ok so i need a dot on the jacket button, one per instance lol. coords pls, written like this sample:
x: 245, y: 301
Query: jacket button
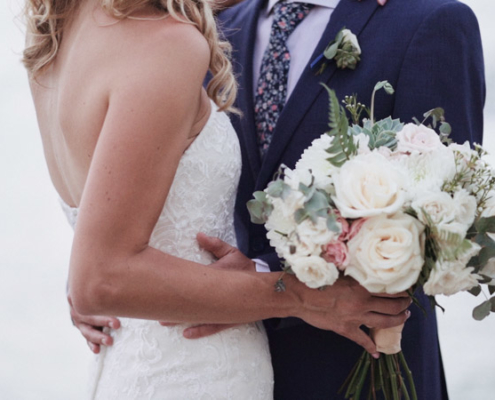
x: 258, y: 245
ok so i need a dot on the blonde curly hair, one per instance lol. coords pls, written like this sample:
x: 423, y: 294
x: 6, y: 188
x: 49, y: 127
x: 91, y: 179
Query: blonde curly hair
x: 46, y: 20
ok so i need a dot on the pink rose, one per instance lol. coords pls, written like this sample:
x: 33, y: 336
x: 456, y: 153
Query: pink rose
x: 336, y: 252
x: 356, y: 227
x: 344, y: 227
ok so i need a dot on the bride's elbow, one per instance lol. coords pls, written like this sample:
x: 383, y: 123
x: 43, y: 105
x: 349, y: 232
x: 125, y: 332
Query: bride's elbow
x: 92, y: 292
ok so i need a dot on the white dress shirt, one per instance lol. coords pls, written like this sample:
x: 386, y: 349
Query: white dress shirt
x: 301, y: 43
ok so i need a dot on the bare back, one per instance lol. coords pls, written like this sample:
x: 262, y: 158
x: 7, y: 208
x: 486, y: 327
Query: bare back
x: 97, y: 55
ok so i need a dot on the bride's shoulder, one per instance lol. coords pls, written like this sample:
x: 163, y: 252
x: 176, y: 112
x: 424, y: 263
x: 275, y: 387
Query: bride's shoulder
x: 158, y: 51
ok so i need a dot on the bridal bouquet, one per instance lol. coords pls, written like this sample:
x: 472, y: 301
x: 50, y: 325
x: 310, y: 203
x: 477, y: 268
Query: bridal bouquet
x: 396, y: 207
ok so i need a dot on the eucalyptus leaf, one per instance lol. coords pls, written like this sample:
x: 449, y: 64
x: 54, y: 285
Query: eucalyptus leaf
x: 332, y: 223
x: 255, y: 209
x: 484, y: 240
x: 475, y: 291
x: 482, y: 311
x: 278, y: 188
x: 484, y: 225
x: 331, y: 51
x: 492, y: 300
x: 300, y: 215
x: 491, y: 289
x: 445, y: 128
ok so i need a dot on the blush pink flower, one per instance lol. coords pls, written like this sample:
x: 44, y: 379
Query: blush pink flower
x: 344, y: 227
x: 355, y: 227
x: 336, y: 252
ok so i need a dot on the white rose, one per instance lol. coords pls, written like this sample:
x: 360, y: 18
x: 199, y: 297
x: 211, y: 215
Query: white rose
x: 466, y: 207
x: 314, y: 271
x: 315, y: 158
x: 368, y: 185
x: 439, y: 206
x: 386, y: 256
x: 450, y: 277
x: 417, y: 138
x: 349, y: 37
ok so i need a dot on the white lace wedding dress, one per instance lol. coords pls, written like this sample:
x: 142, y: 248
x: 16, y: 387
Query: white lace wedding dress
x: 148, y: 361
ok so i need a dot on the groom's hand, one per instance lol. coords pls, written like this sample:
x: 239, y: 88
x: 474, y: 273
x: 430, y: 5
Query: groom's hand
x: 229, y: 258
x: 91, y: 327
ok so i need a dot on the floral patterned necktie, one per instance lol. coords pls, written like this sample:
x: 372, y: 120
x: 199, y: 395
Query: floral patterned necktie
x: 272, y: 84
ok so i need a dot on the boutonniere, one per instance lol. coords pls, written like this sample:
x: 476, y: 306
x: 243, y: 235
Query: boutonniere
x: 344, y: 50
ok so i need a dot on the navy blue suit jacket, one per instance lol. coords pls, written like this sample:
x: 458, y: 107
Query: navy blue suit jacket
x: 430, y: 51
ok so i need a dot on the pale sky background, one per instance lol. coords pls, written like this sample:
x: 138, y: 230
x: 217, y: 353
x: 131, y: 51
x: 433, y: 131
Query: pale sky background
x: 41, y: 355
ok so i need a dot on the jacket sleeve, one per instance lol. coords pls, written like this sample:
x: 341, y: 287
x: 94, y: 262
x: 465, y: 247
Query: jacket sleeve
x: 443, y: 67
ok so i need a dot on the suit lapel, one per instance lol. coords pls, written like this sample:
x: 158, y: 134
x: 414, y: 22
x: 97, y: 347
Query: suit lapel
x: 350, y: 14
x: 245, y: 100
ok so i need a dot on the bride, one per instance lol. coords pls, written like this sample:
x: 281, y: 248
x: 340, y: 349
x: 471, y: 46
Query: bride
x: 143, y: 159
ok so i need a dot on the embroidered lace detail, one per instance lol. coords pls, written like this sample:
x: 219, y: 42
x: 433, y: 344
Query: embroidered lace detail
x: 148, y: 361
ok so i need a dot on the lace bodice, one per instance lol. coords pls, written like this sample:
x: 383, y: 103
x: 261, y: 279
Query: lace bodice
x: 148, y: 361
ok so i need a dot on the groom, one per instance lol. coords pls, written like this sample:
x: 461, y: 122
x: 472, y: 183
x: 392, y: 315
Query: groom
x: 430, y: 51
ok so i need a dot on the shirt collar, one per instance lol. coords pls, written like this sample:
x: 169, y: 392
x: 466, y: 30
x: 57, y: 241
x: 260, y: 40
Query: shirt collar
x: 321, y: 3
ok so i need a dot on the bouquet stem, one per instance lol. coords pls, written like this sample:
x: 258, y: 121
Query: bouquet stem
x: 383, y: 375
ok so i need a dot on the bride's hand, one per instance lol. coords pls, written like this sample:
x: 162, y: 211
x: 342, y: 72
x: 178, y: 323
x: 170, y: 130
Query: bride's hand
x: 229, y: 258
x: 91, y: 327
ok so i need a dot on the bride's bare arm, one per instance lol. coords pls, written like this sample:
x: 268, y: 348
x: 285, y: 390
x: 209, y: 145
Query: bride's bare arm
x: 153, y: 105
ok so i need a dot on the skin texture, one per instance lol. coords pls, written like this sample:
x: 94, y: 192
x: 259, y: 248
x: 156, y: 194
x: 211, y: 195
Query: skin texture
x: 111, y: 138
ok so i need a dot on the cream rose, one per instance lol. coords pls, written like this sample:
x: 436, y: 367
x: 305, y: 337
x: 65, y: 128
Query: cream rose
x: 386, y: 255
x: 417, y: 138
x: 450, y: 277
x: 439, y: 206
x: 314, y: 271
x: 368, y: 185
x: 466, y: 207
x: 349, y: 37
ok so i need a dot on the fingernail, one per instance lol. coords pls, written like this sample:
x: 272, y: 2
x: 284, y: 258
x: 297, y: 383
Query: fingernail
x: 376, y: 356
x: 408, y: 314
x: 104, y: 341
x: 187, y: 334
x: 111, y: 324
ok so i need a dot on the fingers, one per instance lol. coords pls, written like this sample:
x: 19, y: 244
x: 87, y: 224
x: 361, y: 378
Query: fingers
x: 94, y: 335
x: 364, y: 341
x: 373, y: 320
x: 214, y: 245
x: 388, y: 306
x: 200, y: 331
x: 96, y: 321
x: 95, y: 348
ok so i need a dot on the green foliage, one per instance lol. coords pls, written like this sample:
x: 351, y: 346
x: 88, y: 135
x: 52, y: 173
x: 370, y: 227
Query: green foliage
x: 355, y: 108
x: 385, y: 85
x: 259, y: 208
x: 342, y: 147
x: 381, y: 133
x: 484, y: 225
x: 483, y: 310
x: 278, y: 188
